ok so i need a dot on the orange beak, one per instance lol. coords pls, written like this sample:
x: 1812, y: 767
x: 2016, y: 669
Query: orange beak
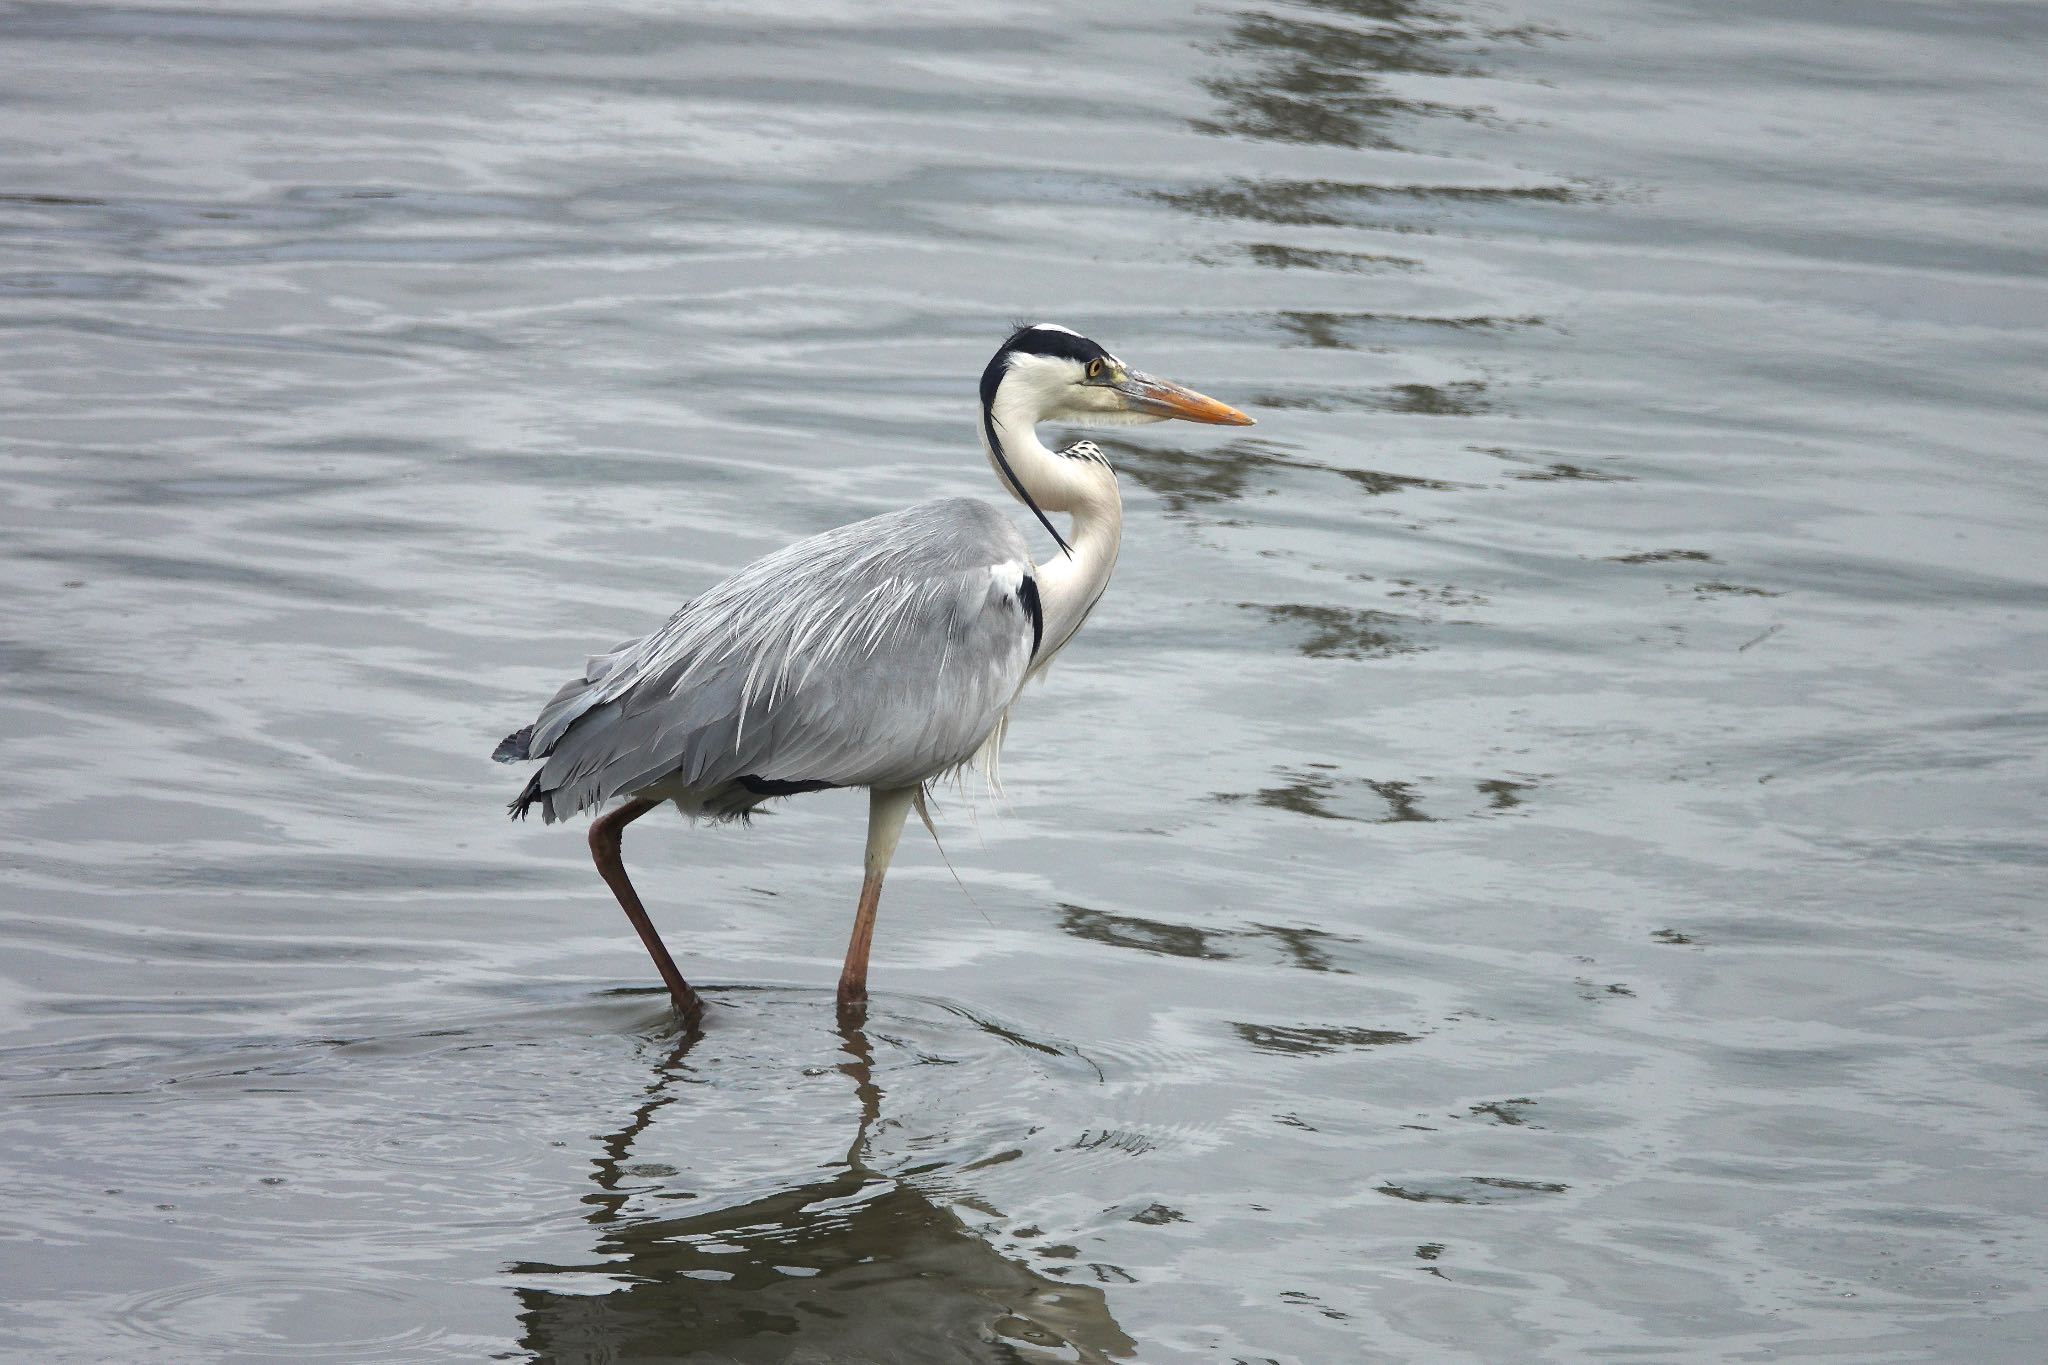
x: 1156, y: 397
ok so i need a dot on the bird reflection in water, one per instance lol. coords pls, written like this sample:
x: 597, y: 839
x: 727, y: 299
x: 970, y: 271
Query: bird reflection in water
x: 856, y: 1266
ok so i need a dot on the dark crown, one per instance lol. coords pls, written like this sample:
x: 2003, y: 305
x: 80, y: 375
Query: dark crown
x: 1037, y: 339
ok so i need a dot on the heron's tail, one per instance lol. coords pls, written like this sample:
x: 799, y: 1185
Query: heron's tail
x: 514, y: 747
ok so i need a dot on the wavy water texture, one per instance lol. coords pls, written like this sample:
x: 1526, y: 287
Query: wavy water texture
x: 1537, y: 856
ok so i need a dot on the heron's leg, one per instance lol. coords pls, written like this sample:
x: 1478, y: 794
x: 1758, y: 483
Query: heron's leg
x: 604, y: 848
x: 886, y: 812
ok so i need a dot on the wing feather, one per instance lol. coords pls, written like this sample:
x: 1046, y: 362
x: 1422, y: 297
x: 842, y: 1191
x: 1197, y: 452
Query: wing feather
x: 877, y: 654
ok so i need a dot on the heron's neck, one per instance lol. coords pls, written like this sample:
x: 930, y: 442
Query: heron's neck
x: 1084, y: 487
x: 1068, y: 587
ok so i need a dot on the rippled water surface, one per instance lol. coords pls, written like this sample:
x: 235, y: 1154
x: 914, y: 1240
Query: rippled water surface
x: 1537, y: 857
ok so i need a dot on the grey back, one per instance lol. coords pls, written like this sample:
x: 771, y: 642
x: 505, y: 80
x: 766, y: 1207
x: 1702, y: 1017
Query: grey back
x: 877, y: 654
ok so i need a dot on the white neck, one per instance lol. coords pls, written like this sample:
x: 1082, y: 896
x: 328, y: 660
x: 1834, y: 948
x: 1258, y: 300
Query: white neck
x: 1085, y: 488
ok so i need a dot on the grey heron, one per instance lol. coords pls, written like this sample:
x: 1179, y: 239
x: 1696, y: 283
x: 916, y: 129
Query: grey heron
x: 881, y: 655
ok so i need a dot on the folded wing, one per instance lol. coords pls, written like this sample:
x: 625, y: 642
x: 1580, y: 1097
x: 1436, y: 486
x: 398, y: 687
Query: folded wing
x: 877, y: 654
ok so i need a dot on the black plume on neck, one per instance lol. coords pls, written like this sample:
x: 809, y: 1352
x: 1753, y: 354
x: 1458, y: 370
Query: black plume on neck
x: 1035, y: 340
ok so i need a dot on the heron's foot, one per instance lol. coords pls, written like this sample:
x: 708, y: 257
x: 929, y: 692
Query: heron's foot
x: 689, y: 1005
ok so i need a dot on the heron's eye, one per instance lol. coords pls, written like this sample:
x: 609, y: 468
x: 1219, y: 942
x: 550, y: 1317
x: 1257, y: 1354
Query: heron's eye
x: 1095, y: 368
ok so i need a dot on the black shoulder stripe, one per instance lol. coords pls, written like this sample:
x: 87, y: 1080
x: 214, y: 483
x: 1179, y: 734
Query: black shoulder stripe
x: 1027, y: 597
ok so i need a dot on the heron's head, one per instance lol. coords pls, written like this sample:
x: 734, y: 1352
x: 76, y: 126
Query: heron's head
x: 1050, y: 374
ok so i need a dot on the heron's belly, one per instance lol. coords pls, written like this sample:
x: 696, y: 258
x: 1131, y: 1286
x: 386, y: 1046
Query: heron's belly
x: 734, y: 798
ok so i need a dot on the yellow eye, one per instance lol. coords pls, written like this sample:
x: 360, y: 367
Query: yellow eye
x: 1095, y: 369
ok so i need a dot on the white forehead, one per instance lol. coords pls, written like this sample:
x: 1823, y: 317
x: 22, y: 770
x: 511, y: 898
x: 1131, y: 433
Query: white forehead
x: 1052, y: 327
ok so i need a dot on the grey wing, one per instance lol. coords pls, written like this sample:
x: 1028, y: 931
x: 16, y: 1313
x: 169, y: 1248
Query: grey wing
x: 877, y: 654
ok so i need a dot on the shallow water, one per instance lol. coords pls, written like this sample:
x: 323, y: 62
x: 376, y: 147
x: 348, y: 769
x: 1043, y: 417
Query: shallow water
x: 1537, y: 857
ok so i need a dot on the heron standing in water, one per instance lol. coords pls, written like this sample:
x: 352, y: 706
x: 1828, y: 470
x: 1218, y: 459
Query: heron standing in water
x: 879, y: 655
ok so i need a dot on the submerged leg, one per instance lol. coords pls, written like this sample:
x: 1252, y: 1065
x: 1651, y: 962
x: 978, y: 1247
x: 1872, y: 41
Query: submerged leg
x: 604, y: 847
x: 886, y: 811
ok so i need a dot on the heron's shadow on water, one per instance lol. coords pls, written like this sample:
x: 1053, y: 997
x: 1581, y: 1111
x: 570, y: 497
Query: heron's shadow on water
x: 852, y: 1266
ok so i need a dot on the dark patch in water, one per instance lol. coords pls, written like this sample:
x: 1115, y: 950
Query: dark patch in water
x: 1335, y: 203
x: 1459, y: 399
x: 1471, y: 1189
x: 1503, y: 793
x: 1111, y: 1139
x: 1356, y: 331
x: 1323, y: 84
x: 1299, y: 947
x: 1324, y: 795
x: 1276, y: 256
x: 1562, y: 472
x: 1157, y: 1215
x: 1662, y: 557
x: 1342, y: 632
x: 1132, y: 931
x: 1507, y: 1112
x: 1305, y: 1040
x: 1401, y: 799
x: 1187, y: 478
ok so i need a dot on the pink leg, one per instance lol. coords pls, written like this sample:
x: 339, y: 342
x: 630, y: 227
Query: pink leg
x: 886, y: 811
x: 604, y: 848
x: 853, y: 977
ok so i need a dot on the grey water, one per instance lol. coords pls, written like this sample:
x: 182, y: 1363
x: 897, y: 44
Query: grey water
x: 1537, y: 857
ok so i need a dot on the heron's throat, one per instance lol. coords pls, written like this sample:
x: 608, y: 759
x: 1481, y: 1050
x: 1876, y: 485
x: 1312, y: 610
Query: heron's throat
x: 1070, y: 584
x: 1046, y: 481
